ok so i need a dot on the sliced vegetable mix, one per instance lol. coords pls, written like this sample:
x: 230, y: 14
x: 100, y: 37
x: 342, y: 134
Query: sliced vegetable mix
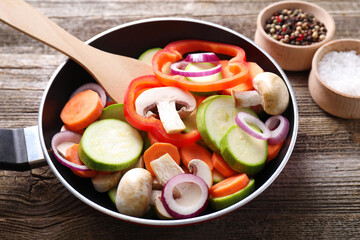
x: 179, y: 143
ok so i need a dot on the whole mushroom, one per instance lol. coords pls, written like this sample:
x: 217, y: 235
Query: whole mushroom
x: 169, y: 103
x: 270, y: 91
x: 134, y: 191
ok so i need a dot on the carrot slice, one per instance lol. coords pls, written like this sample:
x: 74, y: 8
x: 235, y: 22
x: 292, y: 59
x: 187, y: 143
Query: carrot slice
x: 221, y: 165
x: 195, y: 151
x: 157, y: 150
x: 254, y: 69
x: 72, y: 155
x: 81, y: 110
x: 273, y: 151
x: 229, y: 185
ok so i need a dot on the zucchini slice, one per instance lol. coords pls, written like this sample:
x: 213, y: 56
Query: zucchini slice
x: 215, y: 115
x: 148, y: 55
x: 224, y: 202
x: 243, y: 153
x: 110, y: 145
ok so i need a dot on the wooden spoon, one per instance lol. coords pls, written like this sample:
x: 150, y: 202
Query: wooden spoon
x: 113, y: 72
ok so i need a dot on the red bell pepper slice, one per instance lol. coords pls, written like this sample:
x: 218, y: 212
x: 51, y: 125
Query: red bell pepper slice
x: 152, y: 124
x: 235, y: 71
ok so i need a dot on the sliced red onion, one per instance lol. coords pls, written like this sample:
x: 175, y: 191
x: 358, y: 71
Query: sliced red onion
x: 95, y: 87
x: 202, y: 57
x: 66, y: 136
x: 243, y: 119
x: 178, y: 69
x: 194, y: 195
x: 279, y: 128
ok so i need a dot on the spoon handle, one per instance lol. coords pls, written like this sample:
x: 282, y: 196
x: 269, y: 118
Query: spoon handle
x: 23, y: 17
x: 114, y: 72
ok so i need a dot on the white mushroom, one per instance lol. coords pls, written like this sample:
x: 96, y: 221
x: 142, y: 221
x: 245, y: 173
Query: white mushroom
x: 156, y: 185
x: 154, y: 195
x: 165, y: 168
x: 271, y: 92
x: 133, y: 194
x: 169, y: 103
x: 201, y: 169
x: 104, y: 182
x: 160, y: 209
x: 63, y: 147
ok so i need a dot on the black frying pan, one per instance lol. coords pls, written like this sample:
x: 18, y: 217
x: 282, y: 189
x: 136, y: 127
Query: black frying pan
x: 20, y: 145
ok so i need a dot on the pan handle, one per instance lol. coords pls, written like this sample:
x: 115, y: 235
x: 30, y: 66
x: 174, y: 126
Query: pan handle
x: 20, y: 149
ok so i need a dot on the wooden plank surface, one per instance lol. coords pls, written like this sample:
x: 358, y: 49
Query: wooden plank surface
x: 317, y: 196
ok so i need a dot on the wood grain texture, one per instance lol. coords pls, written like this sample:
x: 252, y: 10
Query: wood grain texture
x: 317, y: 196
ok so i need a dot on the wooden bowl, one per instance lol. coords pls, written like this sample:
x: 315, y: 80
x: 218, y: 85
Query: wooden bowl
x: 292, y: 57
x: 332, y: 101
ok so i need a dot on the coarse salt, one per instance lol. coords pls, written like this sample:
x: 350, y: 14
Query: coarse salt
x: 341, y: 71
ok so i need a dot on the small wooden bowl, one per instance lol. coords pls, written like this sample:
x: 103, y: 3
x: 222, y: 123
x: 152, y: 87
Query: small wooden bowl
x: 332, y: 101
x: 292, y: 57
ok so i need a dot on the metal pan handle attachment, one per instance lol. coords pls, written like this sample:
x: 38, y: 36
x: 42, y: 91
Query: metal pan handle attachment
x: 20, y: 149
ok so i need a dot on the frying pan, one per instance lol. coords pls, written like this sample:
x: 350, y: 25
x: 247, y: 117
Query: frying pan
x: 30, y: 147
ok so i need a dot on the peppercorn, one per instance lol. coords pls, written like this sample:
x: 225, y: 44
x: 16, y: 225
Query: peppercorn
x: 315, y: 35
x: 296, y: 27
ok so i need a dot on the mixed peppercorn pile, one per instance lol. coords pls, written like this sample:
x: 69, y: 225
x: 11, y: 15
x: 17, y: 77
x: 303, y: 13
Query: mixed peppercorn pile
x: 296, y: 27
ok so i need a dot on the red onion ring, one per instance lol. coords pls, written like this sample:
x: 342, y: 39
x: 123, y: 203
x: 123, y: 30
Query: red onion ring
x: 202, y: 57
x: 279, y: 128
x: 92, y: 86
x: 66, y: 136
x: 177, y: 69
x: 174, y: 206
x: 243, y: 119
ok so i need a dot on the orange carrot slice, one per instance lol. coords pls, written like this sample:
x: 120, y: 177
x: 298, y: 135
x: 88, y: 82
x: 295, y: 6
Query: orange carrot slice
x: 273, y: 151
x: 72, y: 155
x: 195, y: 151
x: 157, y: 150
x: 221, y: 165
x: 254, y: 69
x: 81, y: 110
x: 229, y: 185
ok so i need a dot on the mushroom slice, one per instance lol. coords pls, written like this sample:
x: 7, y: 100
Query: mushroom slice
x: 171, y: 104
x: 270, y: 91
x: 104, y: 182
x: 165, y: 168
x: 201, y: 169
x: 160, y: 209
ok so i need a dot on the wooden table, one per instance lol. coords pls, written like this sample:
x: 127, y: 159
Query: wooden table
x: 317, y: 196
